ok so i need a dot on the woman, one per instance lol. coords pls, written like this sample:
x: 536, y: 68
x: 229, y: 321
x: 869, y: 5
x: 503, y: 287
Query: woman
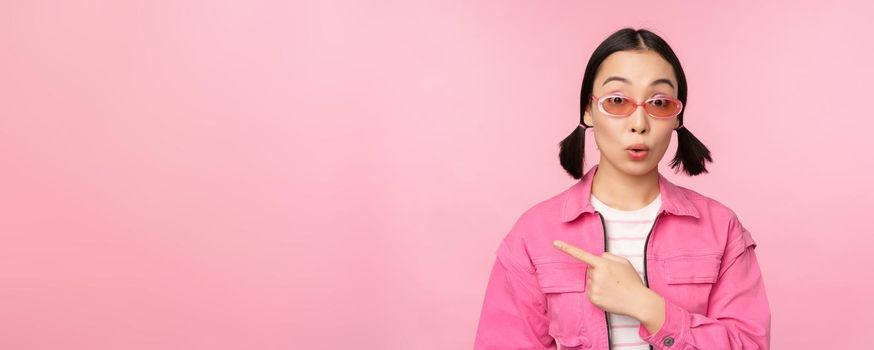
x: 624, y: 258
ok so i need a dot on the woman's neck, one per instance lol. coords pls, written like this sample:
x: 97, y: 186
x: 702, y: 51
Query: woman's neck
x: 624, y: 191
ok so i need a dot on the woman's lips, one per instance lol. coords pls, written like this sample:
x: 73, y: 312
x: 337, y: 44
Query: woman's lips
x: 637, y: 155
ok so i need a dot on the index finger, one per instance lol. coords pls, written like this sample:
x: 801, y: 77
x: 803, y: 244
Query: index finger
x: 578, y: 253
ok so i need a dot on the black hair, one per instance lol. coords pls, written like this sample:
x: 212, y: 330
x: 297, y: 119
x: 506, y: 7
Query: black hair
x: 691, y: 153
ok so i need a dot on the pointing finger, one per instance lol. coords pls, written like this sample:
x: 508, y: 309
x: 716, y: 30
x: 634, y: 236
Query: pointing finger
x: 614, y: 257
x: 578, y: 253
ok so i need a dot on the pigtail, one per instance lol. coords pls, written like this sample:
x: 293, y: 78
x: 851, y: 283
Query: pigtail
x: 572, y: 152
x: 691, y: 153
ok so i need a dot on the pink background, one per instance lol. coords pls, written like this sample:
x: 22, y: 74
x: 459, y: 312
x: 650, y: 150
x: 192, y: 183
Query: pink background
x: 327, y: 175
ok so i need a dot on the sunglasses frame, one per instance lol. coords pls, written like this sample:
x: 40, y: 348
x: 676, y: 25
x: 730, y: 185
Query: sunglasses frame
x: 600, y: 101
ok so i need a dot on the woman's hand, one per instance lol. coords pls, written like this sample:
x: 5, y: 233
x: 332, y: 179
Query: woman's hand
x: 613, y: 285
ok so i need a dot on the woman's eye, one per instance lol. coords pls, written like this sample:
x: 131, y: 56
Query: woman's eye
x: 616, y: 100
x: 659, y: 102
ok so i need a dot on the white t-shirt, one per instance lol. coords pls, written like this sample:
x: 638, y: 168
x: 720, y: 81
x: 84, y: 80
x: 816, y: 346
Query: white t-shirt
x: 626, y: 237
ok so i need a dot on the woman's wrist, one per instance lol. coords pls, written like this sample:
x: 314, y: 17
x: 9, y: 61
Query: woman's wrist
x: 651, y: 312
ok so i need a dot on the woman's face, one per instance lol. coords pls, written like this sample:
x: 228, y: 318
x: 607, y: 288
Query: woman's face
x: 637, y: 75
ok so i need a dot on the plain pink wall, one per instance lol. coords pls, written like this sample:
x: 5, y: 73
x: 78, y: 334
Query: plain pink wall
x: 327, y: 175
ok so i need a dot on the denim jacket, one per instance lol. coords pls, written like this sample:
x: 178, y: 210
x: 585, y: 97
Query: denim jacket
x: 698, y: 256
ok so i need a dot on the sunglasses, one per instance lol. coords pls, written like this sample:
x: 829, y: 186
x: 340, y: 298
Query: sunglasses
x: 621, y: 106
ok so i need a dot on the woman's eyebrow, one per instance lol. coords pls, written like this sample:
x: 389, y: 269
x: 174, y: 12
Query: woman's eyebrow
x: 657, y: 81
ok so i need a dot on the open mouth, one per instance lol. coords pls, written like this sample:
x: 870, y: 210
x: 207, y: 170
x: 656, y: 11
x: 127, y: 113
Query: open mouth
x: 637, y: 153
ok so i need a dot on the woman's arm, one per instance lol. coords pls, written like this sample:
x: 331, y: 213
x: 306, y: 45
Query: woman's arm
x: 738, y: 315
x: 652, y: 312
x: 514, y: 310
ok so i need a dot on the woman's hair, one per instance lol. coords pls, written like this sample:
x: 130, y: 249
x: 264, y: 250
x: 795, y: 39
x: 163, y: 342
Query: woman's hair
x: 690, y: 151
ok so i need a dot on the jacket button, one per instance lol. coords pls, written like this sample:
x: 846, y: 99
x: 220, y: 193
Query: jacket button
x: 668, y: 341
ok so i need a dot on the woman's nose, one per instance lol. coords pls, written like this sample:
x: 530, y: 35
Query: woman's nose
x: 639, y: 120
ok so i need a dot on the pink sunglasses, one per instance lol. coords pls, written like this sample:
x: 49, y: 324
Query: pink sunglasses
x: 620, y: 106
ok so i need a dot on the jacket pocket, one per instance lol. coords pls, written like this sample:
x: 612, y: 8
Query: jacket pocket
x: 564, y: 284
x: 690, y: 277
x: 691, y: 270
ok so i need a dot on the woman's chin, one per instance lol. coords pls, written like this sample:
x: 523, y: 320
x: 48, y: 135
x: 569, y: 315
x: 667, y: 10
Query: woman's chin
x: 638, y: 167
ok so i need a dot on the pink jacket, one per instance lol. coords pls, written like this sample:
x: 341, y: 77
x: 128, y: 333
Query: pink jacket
x: 698, y: 256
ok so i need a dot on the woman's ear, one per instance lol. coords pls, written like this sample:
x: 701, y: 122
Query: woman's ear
x: 587, y: 117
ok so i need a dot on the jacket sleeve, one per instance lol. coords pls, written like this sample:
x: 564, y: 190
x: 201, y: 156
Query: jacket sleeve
x: 738, y: 315
x: 513, y: 315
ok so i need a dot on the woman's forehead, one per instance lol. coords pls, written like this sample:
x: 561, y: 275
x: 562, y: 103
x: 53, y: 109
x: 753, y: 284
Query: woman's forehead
x: 636, y: 68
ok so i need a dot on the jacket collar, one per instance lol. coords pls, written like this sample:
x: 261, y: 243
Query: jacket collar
x: 577, y: 198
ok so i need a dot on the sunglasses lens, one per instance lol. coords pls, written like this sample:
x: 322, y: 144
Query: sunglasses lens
x: 662, y: 107
x: 618, y: 105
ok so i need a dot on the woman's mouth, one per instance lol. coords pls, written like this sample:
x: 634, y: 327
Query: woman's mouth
x: 637, y: 154
x: 637, y: 151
